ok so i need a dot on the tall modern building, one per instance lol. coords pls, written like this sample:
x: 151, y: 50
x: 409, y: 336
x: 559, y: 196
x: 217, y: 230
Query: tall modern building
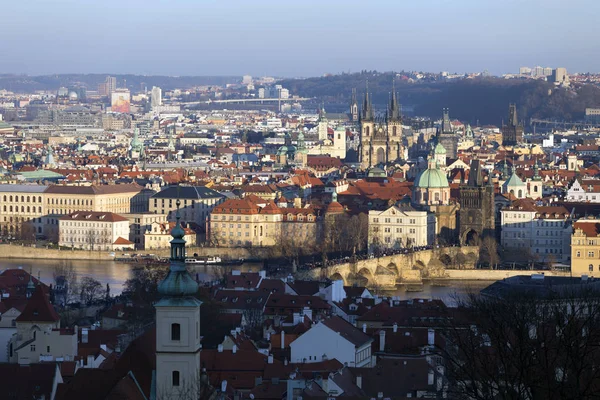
x: 156, y: 96
x: 559, y: 75
x: 476, y: 217
x: 512, y: 133
x: 447, y: 137
x: 108, y: 86
x: 381, y: 138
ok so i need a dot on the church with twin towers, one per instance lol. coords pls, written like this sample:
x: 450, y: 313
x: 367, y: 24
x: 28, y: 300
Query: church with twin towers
x: 380, y: 136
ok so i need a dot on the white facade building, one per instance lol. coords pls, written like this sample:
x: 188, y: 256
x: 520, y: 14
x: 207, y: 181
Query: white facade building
x: 584, y: 191
x: 543, y: 231
x: 333, y: 338
x: 399, y: 227
x: 156, y: 97
x: 94, y: 231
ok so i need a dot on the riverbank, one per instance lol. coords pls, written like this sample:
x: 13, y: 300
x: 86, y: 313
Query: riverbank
x: 494, y: 275
x: 10, y: 251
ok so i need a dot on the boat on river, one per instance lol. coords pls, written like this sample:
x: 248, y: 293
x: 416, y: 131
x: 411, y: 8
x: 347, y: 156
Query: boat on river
x: 204, y: 261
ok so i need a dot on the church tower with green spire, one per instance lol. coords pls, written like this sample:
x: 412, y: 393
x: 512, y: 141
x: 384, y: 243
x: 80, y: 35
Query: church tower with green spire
x: 177, y: 326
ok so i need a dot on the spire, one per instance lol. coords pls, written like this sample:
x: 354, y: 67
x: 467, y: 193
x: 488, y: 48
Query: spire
x: 394, y: 109
x: 30, y: 285
x: 367, y: 111
x: 475, y: 177
x: 536, y: 171
x: 178, y: 282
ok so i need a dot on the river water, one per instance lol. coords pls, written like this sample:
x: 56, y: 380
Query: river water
x: 116, y: 273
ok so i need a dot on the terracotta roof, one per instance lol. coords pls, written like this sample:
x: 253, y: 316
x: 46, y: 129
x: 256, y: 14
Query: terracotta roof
x: 122, y: 241
x: 237, y: 206
x: 590, y: 228
x: 38, y: 309
x: 93, y: 216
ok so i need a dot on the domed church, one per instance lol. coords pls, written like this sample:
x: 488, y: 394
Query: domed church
x: 431, y: 186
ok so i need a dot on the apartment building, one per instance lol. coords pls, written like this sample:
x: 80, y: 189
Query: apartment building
x: 540, y: 232
x: 21, y: 210
x: 243, y: 222
x: 118, y: 199
x: 159, y: 235
x: 401, y: 226
x: 196, y: 203
x: 91, y: 230
x: 139, y: 224
x: 585, y: 247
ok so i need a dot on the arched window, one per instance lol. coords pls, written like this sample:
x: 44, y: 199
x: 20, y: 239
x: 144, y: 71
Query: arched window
x: 39, y: 199
x: 175, y: 378
x: 520, y: 193
x: 28, y: 199
x: 39, y: 209
x: 591, y: 268
x: 11, y: 198
x: 394, y: 132
x: 175, y: 332
x: 28, y: 209
x: 367, y: 131
x: 22, y: 208
x: 23, y: 199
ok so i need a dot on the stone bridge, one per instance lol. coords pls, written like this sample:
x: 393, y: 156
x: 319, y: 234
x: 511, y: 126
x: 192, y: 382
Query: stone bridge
x: 389, y: 271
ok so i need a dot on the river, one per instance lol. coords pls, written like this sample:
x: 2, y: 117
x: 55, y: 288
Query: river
x: 116, y: 273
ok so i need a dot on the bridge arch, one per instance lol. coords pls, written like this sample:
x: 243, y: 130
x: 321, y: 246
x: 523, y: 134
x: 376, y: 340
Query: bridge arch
x: 337, y: 277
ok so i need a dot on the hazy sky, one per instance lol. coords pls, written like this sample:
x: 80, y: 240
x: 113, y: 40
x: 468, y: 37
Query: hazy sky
x: 296, y: 38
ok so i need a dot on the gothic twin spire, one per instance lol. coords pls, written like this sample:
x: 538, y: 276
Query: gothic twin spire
x: 393, y: 111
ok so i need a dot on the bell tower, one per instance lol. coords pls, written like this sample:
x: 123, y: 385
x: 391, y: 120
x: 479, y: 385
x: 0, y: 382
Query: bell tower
x: 177, y: 326
x: 354, y: 107
x: 394, y: 128
x: 367, y: 131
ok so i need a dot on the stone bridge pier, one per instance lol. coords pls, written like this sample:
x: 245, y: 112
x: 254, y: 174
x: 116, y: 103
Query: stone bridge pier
x: 396, y: 269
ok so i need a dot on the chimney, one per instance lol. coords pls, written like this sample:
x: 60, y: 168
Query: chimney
x: 430, y: 337
x: 84, y: 335
x: 282, y: 340
x: 270, y: 359
x: 395, y: 327
x: 364, y: 328
x: 382, y: 340
x: 285, y: 361
x: 223, y: 386
x: 220, y: 348
x: 430, y: 377
x: 234, y: 349
x: 359, y: 381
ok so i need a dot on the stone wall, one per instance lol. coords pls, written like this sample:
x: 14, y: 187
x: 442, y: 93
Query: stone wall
x: 17, y: 251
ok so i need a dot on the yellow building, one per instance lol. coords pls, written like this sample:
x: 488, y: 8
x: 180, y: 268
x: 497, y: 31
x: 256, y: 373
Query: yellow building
x: 159, y: 236
x: 21, y: 210
x: 243, y: 222
x: 118, y: 199
x: 585, y: 248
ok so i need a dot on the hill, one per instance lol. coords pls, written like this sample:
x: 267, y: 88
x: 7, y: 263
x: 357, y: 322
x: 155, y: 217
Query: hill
x: 24, y: 83
x: 470, y: 100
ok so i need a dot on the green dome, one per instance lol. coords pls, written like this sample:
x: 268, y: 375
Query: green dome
x: 177, y: 232
x: 178, y: 283
x: 431, y: 178
x: 439, y: 149
x: 282, y: 150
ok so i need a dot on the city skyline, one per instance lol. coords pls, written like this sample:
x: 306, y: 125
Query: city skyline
x: 184, y: 38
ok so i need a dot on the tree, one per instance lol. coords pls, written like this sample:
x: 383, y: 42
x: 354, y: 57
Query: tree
x: 65, y: 283
x: 107, y: 295
x: 541, y: 345
x: 27, y: 231
x: 143, y: 285
x: 489, y: 251
x: 91, y: 238
x: 90, y: 290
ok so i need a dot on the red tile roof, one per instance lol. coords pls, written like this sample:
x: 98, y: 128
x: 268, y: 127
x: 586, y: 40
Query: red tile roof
x: 38, y: 309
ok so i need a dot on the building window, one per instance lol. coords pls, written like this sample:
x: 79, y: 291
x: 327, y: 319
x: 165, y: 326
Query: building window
x: 591, y: 268
x: 590, y: 254
x: 32, y: 347
x: 175, y: 332
x: 175, y: 378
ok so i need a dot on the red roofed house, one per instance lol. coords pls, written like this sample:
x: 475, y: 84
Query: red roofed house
x: 90, y: 230
x: 39, y: 336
